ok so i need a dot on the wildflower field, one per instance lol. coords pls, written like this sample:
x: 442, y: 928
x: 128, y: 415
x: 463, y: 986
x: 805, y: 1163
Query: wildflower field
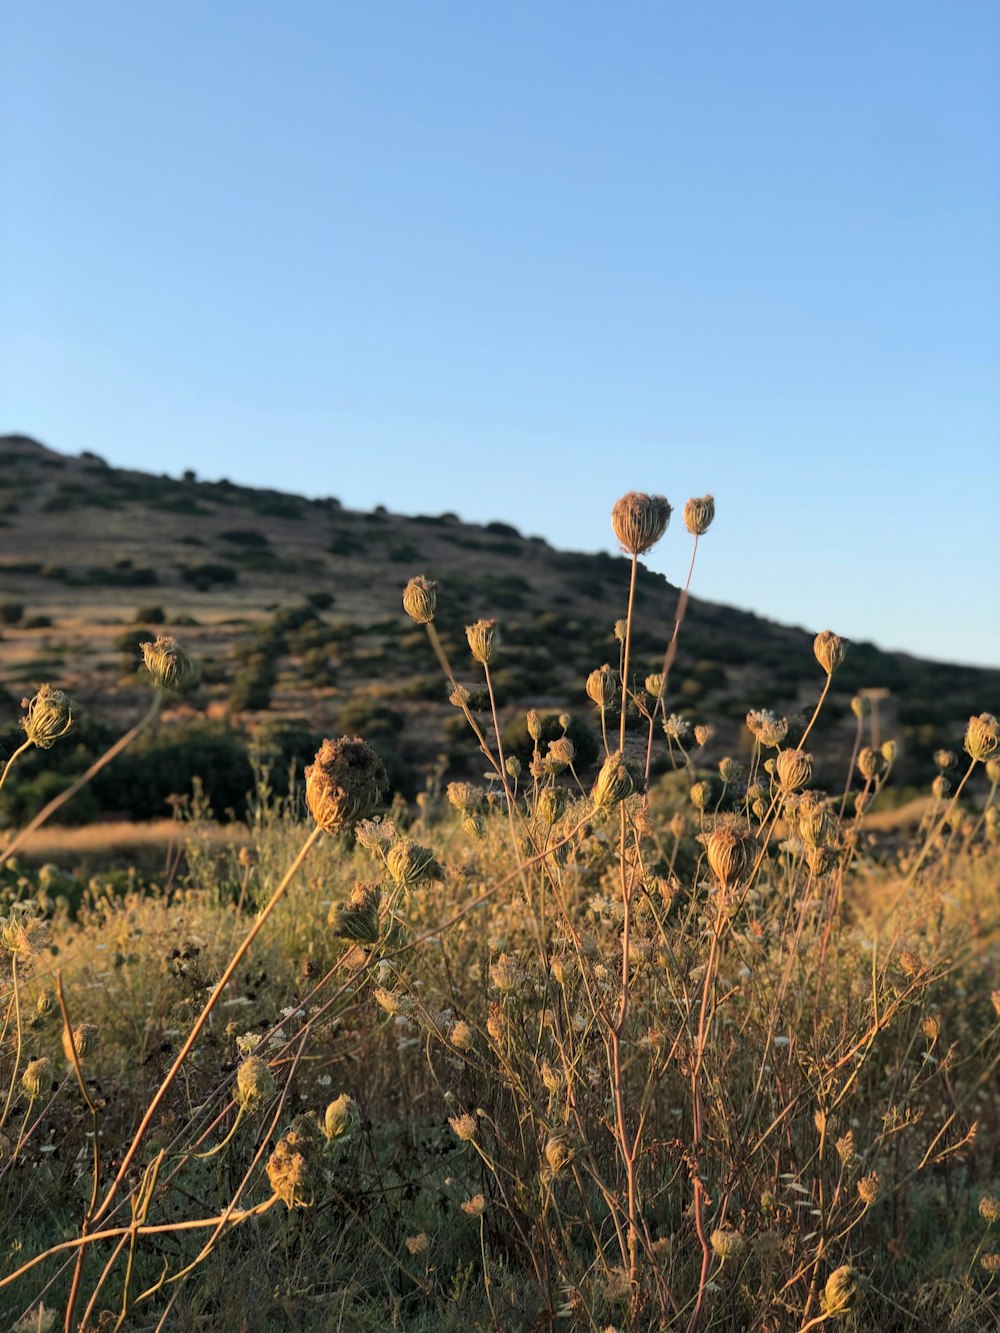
x: 617, y: 1031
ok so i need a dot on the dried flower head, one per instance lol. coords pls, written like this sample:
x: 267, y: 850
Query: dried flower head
x: 506, y: 973
x: 945, y: 759
x: 766, y: 728
x: 698, y: 515
x: 830, y: 650
x: 465, y: 796
x: 462, y: 1036
x: 817, y: 822
x: 726, y: 1243
x: 375, y: 835
x: 340, y: 1117
x: 561, y: 753
x: 418, y: 1244
x: 868, y: 1188
x: 420, y: 599
x: 345, y: 783
x: 465, y: 1126
x: 841, y: 1290
x: 614, y: 782
x: 989, y: 1209
x: 940, y: 787
x: 48, y: 716
x: 291, y: 1169
x: 640, y: 520
x: 620, y: 630
x: 871, y: 764
x: 982, y: 736
x: 548, y: 805
x: 602, y: 687
x: 85, y: 1041
x: 410, y: 865
x: 730, y: 770
x: 703, y: 734
x: 676, y: 728
x: 990, y: 1263
x: 168, y: 664
x: 34, y: 1075
x: 993, y: 770
x: 254, y: 1084
x: 793, y: 769
x: 474, y: 1207
x: 483, y: 640
x: 846, y: 1150
x: 730, y: 854
x: 460, y: 697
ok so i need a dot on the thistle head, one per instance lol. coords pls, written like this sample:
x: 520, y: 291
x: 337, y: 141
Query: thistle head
x: 483, y: 640
x: 48, y: 716
x: 168, y: 664
x: 698, y: 515
x: 420, y: 599
x: 345, y: 783
x: 830, y: 650
x: 639, y: 521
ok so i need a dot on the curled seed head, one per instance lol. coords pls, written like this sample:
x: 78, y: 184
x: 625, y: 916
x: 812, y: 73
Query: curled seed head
x: 341, y: 1116
x: 945, y: 759
x: 506, y: 973
x: 345, y: 783
x: 254, y: 1084
x: 602, y: 687
x: 830, y: 650
x: 375, y: 835
x: 871, y: 764
x: 420, y: 599
x: 817, y: 822
x: 410, y: 864
x: 654, y: 684
x: 465, y: 796
x: 620, y: 629
x: 513, y: 766
x: 48, y: 716
x: 534, y: 725
x: 548, y: 806
x: 358, y: 918
x: 940, y: 787
x: 730, y: 854
x: 698, y: 515
x: 982, y: 736
x: 86, y: 1039
x: 34, y: 1075
x: 560, y: 754
x: 841, y: 1290
x: 462, y: 1036
x: 292, y: 1170
x: 990, y: 1263
x: 483, y: 640
x: 474, y: 825
x: 768, y: 729
x: 730, y: 769
x: 639, y: 521
x: 989, y: 1209
x: 614, y: 782
x: 793, y: 769
x: 168, y: 664
x: 558, y: 1152
x: 868, y: 1188
x: 701, y: 795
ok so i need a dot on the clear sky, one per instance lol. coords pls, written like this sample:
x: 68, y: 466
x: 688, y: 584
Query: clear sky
x: 513, y: 259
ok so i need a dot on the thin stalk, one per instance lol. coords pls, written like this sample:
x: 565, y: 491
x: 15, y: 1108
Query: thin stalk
x: 819, y: 705
x: 669, y: 655
x: 10, y: 762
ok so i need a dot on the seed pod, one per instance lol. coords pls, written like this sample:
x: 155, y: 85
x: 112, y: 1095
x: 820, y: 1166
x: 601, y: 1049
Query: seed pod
x: 729, y: 770
x: 548, y: 806
x: 993, y: 770
x: 614, y: 782
x: 982, y: 736
x: 483, y: 640
x: 888, y: 751
x: 730, y: 854
x: 602, y: 687
x: 420, y: 599
x: 410, y: 864
x: 358, y: 918
x: 168, y: 664
x: 464, y: 796
x: 945, y: 759
x: 830, y: 650
x: 49, y: 715
x: 534, y: 724
x: 871, y: 764
x: 654, y: 684
x: 640, y: 520
x: 793, y: 769
x: 858, y: 707
x: 345, y: 783
x: 817, y: 823
x: 474, y: 825
x: 464, y: 1126
x: 940, y: 787
x: 254, y: 1084
x: 513, y: 766
x: 698, y: 515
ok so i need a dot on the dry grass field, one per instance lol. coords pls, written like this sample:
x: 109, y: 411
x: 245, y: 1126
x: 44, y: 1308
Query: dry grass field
x: 600, y: 976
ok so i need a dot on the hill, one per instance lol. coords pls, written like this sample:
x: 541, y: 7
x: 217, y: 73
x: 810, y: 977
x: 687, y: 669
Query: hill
x: 292, y: 608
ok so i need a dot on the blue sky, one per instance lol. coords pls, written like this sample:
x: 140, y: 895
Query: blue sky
x: 514, y: 259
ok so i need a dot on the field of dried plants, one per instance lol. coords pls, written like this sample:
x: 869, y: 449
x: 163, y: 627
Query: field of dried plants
x: 651, y: 1038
